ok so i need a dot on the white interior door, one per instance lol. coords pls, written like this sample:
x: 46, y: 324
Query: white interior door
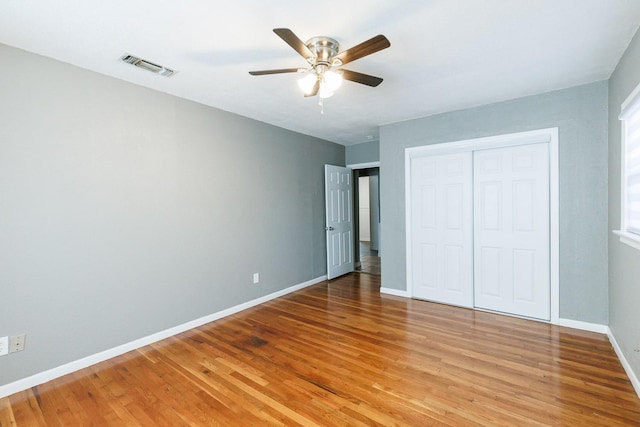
x: 441, y: 216
x: 339, y: 220
x: 511, y: 230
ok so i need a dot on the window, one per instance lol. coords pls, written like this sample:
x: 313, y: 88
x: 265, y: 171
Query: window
x: 630, y: 191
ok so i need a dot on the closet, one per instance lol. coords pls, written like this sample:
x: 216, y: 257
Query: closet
x: 479, y: 226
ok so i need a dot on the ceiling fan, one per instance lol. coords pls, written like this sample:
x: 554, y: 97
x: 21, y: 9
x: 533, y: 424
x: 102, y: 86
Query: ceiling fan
x: 324, y: 75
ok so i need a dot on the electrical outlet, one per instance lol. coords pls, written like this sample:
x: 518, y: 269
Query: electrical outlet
x: 16, y: 343
x: 4, y: 346
x: 256, y: 278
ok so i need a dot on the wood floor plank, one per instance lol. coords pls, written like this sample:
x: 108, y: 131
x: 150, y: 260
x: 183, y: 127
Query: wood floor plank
x: 339, y: 353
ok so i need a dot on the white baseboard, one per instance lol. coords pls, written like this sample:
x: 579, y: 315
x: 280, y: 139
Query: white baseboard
x: 43, y: 377
x: 569, y: 323
x: 585, y: 326
x: 396, y: 292
x: 625, y: 364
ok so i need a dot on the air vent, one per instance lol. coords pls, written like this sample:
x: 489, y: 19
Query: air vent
x: 146, y: 65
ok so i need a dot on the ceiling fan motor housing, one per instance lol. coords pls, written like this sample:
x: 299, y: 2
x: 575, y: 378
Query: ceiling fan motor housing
x: 324, y: 48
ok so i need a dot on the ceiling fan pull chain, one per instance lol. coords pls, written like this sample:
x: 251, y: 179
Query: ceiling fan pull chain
x: 321, y: 104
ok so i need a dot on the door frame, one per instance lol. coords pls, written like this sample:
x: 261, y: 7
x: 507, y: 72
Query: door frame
x: 547, y: 135
x: 354, y: 167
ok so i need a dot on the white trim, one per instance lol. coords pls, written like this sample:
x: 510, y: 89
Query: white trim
x: 630, y: 104
x: 635, y: 382
x: 630, y: 239
x: 485, y: 143
x: 583, y: 326
x: 548, y: 135
x: 629, y: 108
x: 364, y: 165
x: 408, y: 220
x: 67, y: 368
x: 623, y: 195
x: 367, y: 166
x: 554, y: 224
x: 567, y: 323
x: 396, y: 292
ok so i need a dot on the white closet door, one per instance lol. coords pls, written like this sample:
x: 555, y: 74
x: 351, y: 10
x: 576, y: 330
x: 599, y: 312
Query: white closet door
x: 511, y: 230
x: 442, y: 240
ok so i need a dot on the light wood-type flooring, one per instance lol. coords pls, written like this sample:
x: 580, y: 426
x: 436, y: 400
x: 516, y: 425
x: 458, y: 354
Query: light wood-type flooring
x: 341, y: 354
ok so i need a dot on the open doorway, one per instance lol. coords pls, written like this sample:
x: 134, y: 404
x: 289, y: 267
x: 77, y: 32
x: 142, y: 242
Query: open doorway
x: 367, y: 227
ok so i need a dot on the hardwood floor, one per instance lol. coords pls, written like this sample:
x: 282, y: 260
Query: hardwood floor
x: 370, y: 262
x: 341, y: 354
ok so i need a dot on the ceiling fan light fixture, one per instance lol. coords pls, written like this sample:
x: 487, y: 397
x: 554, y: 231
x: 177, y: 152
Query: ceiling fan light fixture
x: 324, y: 91
x: 333, y: 80
x: 307, y: 82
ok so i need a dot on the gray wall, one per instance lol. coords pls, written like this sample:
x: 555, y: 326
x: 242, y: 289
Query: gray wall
x: 624, y: 261
x: 125, y: 211
x: 367, y: 152
x: 580, y: 113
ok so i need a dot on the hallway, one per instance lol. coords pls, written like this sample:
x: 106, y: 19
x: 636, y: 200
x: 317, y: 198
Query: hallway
x: 369, y: 260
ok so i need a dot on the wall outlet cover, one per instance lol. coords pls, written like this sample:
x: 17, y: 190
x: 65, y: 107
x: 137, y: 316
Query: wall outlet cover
x: 16, y: 343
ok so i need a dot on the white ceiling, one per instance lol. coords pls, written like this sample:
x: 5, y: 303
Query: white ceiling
x: 445, y: 54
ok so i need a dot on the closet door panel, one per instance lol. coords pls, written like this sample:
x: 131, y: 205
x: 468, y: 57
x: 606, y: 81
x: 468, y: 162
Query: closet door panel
x: 511, y: 230
x: 441, y: 224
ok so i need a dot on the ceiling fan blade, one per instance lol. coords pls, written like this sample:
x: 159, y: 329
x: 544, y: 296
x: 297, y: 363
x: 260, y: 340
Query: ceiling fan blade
x: 365, y: 79
x: 314, y: 91
x: 278, y: 71
x: 292, y: 40
x: 372, y: 45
